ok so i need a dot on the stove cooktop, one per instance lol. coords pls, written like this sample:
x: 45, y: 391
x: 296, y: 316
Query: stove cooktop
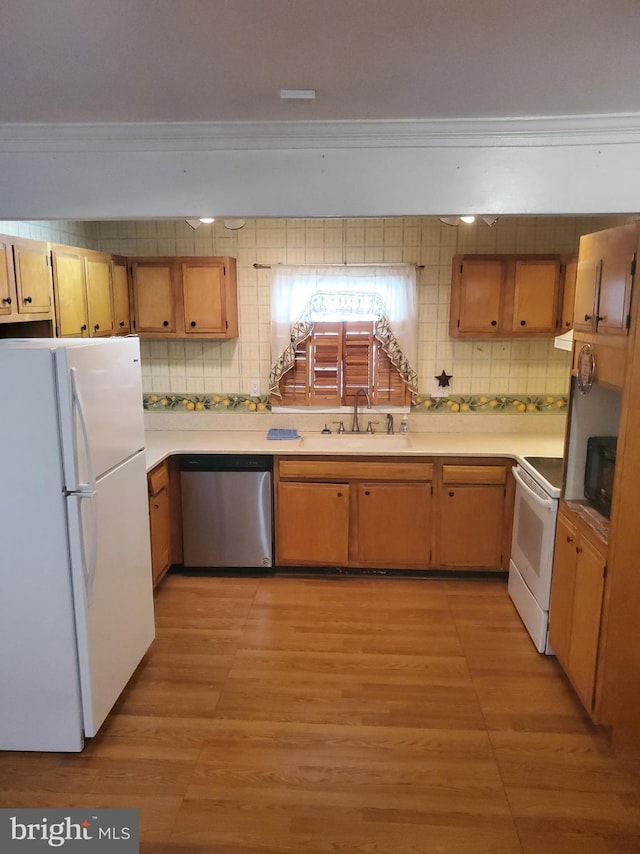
x: 550, y: 468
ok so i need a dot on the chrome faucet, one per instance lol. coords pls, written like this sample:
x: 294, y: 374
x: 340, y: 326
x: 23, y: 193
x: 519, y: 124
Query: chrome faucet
x: 389, y: 424
x: 355, y: 426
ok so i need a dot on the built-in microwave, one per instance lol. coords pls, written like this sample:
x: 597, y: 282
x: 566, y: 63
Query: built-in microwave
x: 599, y: 472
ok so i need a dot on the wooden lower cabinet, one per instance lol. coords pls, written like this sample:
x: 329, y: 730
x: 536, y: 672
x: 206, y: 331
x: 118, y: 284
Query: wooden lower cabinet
x: 160, y: 521
x: 394, y: 524
x: 313, y: 524
x: 475, y: 511
x: 575, y: 612
x: 354, y: 513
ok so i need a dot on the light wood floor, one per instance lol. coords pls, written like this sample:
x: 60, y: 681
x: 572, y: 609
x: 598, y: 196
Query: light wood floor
x: 345, y: 716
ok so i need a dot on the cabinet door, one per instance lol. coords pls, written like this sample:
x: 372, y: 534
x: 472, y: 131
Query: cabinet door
x: 585, y: 621
x: 154, y: 306
x: 159, y: 521
x: 120, y: 284
x: 587, y: 278
x: 568, y: 295
x: 99, y: 294
x: 203, y: 288
x: 33, y: 278
x: 394, y: 524
x: 471, y: 524
x: 7, y: 280
x: 479, y: 298
x: 562, y: 587
x: 536, y: 292
x: 615, y: 291
x: 69, y: 290
x: 312, y: 525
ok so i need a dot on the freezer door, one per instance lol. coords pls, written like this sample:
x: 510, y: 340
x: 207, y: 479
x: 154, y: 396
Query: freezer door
x: 101, y: 414
x: 113, y: 597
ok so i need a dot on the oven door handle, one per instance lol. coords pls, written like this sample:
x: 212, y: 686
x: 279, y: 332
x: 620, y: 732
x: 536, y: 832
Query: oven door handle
x: 546, y: 503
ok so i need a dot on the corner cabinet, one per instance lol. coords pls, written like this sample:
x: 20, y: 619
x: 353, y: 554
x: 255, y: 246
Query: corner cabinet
x: 184, y: 297
x: 354, y: 512
x: 505, y: 296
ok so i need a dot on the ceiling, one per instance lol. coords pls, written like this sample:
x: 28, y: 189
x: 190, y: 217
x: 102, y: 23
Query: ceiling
x: 219, y: 61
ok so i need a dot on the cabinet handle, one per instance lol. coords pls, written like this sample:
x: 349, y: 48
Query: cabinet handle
x: 598, y: 318
x: 494, y: 322
x: 567, y: 323
x: 523, y: 323
x: 569, y: 539
x: 193, y: 323
x: 121, y: 323
x: 451, y: 494
x: 165, y: 322
x: 339, y: 495
x: 588, y: 317
x: 7, y: 300
x: 96, y: 327
x: 578, y: 550
x: 367, y: 492
x: 83, y: 328
x: 28, y: 299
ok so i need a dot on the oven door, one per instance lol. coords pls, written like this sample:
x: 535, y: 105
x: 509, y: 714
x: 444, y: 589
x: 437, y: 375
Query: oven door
x: 534, y: 528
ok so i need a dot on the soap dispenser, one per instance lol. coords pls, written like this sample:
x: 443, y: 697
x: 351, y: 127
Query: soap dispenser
x: 404, y: 424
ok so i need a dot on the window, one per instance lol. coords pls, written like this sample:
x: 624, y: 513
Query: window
x: 337, y: 329
x: 334, y: 361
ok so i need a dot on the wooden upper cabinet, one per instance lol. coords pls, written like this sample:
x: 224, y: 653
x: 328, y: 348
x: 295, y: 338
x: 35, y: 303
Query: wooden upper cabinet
x: 568, y: 294
x: 498, y: 296
x: 99, y: 293
x: 477, y: 291
x: 536, y: 290
x: 121, y: 304
x: 606, y: 267
x: 83, y: 292
x: 70, y: 292
x: 154, y: 298
x: 209, y: 303
x: 185, y: 297
x: 8, y: 299
x: 34, y: 286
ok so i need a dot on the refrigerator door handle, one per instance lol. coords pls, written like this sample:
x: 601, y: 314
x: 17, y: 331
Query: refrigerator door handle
x: 78, y: 409
x: 88, y: 542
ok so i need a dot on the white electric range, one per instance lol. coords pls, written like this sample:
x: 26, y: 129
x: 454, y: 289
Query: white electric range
x: 538, y: 487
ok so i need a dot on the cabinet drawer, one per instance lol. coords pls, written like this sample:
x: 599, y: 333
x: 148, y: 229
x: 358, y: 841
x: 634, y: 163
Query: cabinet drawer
x: 158, y: 479
x: 343, y: 469
x: 474, y: 474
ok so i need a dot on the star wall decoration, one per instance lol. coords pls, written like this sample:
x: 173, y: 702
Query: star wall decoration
x: 443, y: 380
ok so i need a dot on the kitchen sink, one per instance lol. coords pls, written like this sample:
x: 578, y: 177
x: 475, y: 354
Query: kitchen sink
x: 354, y: 442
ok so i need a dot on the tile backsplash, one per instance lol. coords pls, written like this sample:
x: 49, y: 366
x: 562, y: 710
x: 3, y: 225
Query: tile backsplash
x: 509, y: 369
x: 504, y: 367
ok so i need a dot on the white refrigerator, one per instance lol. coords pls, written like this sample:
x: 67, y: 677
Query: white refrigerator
x: 76, y: 599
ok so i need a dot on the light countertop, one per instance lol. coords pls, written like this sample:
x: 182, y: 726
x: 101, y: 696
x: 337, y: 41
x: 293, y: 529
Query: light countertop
x: 161, y: 444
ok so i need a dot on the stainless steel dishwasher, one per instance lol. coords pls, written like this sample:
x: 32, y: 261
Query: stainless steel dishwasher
x: 227, y: 510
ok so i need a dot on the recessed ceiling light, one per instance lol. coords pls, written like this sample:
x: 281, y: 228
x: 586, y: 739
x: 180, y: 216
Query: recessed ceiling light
x: 468, y: 219
x: 297, y: 94
x: 206, y: 219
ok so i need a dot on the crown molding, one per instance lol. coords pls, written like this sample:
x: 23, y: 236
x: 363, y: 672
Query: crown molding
x: 432, y: 133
